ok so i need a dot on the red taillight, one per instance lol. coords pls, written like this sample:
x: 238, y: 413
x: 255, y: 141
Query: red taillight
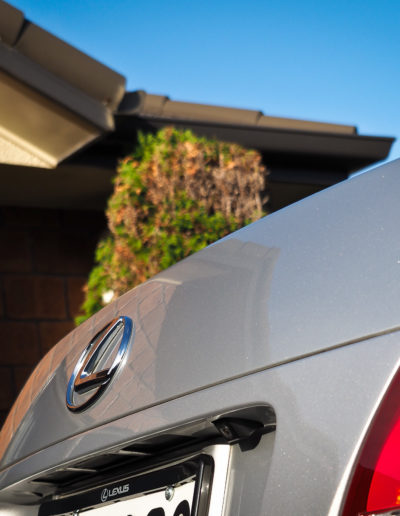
x: 375, y: 486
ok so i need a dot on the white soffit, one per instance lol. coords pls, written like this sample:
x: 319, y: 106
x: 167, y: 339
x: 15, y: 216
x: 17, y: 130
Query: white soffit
x: 36, y: 131
x: 16, y: 153
x: 54, y: 99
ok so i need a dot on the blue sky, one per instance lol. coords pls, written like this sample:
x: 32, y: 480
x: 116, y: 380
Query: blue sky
x: 329, y: 61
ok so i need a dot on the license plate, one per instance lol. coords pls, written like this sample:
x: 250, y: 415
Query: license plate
x: 192, y: 486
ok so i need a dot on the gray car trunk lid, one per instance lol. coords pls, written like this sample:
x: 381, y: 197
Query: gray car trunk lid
x: 320, y: 274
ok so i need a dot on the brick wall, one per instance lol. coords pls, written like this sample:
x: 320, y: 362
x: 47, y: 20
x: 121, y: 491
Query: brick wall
x: 45, y: 257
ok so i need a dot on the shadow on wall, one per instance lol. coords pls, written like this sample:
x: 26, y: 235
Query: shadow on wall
x: 45, y: 258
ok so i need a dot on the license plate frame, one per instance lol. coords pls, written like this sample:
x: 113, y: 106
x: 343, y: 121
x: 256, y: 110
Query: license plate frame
x: 204, y: 473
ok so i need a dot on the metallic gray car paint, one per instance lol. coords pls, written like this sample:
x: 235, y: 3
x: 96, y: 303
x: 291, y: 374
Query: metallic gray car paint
x: 323, y: 406
x: 248, y: 320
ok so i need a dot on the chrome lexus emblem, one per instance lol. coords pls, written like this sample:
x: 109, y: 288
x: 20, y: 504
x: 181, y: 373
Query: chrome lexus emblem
x: 92, y: 373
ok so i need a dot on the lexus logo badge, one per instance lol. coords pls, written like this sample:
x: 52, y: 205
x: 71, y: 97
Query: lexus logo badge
x: 99, y: 362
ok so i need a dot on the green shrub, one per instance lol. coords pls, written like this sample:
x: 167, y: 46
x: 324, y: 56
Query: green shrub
x: 174, y: 195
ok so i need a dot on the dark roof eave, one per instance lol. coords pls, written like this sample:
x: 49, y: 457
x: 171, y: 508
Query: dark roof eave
x: 358, y: 149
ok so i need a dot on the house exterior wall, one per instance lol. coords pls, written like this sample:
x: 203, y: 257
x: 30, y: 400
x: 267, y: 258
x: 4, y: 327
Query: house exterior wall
x: 45, y: 257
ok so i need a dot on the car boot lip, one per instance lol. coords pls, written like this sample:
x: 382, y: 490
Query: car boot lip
x: 279, y: 340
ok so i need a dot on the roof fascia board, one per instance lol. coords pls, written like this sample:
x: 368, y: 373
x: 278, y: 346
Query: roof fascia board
x: 35, y: 76
x: 69, y: 64
x: 141, y: 103
x: 11, y: 22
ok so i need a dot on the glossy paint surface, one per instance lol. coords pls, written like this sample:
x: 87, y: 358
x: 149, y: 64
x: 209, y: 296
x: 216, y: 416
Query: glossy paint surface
x: 323, y: 406
x: 318, y: 275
